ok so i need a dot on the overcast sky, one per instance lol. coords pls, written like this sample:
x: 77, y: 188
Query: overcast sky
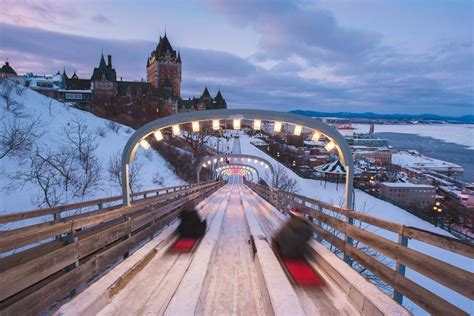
x: 397, y: 56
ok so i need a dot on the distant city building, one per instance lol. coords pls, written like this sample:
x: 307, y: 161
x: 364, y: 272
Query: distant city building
x: 129, y: 102
x: 420, y: 196
x: 7, y: 71
x: 369, y: 142
x: 204, y: 102
x: 380, y: 157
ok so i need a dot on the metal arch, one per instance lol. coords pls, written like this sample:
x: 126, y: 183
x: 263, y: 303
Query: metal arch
x: 232, y: 156
x: 248, y: 174
x: 230, y: 166
x: 342, y: 147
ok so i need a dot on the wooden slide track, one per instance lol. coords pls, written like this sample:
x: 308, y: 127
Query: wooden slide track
x: 231, y: 270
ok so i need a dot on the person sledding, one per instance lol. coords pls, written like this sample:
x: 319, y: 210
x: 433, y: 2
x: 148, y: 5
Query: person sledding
x: 292, y: 246
x: 190, y: 229
x: 292, y: 239
x: 191, y: 225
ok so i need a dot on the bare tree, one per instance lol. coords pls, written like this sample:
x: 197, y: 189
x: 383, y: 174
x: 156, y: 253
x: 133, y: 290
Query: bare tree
x: 197, y: 140
x: 12, y: 104
x: 284, y: 181
x: 114, y: 171
x: 83, y: 144
x: 44, y: 176
x: 17, y: 138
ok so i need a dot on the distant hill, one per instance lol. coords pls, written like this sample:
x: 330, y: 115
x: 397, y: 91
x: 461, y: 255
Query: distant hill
x: 371, y: 115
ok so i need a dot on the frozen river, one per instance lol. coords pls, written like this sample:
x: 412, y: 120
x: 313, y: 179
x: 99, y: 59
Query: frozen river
x: 431, y: 147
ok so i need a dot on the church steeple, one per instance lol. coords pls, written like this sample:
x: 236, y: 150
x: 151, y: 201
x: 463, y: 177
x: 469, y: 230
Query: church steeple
x: 102, y: 63
x: 220, y: 101
x: 64, y: 73
x: 205, y: 94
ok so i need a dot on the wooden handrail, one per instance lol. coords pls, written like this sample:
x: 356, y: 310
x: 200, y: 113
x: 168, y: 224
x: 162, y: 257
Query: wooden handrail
x: 453, y: 277
x: 17, y: 216
x: 39, y: 276
x: 445, y: 242
x: 23, y: 236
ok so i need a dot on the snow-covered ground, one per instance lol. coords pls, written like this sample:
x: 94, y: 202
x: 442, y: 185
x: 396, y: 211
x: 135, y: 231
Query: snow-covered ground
x: 54, y: 118
x: 372, y: 206
x: 461, y: 134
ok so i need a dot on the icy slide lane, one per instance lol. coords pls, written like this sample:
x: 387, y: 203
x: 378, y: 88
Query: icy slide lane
x: 328, y: 300
x: 221, y: 276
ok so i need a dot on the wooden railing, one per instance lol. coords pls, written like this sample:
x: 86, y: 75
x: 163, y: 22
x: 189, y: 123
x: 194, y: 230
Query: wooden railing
x: 331, y: 225
x: 56, y: 212
x: 46, y: 262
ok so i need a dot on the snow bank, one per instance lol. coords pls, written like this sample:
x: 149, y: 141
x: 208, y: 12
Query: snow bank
x: 55, y: 117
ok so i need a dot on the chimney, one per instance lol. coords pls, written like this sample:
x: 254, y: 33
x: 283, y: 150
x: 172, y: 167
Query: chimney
x: 109, y: 58
x: 7, y: 63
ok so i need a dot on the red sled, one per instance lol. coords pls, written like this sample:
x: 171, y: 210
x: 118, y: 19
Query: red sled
x: 185, y: 244
x: 299, y: 270
x: 302, y: 273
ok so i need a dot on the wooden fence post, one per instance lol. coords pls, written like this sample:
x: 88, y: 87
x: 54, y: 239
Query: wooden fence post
x: 400, y: 268
x: 318, y: 223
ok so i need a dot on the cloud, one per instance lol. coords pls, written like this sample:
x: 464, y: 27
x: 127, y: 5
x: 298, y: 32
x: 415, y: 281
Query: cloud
x: 387, y: 82
x: 38, y: 13
x: 100, y: 19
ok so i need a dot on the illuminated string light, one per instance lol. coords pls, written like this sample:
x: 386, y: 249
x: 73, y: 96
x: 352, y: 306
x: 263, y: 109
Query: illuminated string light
x: 257, y: 125
x: 176, y: 130
x: 298, y: 129
x: 145, y: 145
x: 277, y: 127
x: 236, y: 123
x: 330, y: 146
x: 158, y: 135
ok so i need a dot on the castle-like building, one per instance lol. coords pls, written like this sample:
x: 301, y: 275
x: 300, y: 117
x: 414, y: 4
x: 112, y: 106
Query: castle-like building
x: 129, y: 102
x: 163, y: 69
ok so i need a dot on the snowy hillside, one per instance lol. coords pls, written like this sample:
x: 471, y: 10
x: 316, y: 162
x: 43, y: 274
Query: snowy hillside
x: 334, y: 194
x: 48, y: 134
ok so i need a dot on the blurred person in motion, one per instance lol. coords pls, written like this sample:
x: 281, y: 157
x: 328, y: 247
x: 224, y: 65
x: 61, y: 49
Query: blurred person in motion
x: 191, y: 225
x: 292, y: 239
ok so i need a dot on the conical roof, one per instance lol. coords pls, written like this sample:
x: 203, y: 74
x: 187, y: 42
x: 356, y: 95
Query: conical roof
x: 206, y: 94
x: 7, y: 69
x: 102, y: 63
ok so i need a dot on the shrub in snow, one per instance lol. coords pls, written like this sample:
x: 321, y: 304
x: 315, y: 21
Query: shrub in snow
x: 114, y: 127
x: 12, y: 104
x: 157, y: 179
x: 101, y: 131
